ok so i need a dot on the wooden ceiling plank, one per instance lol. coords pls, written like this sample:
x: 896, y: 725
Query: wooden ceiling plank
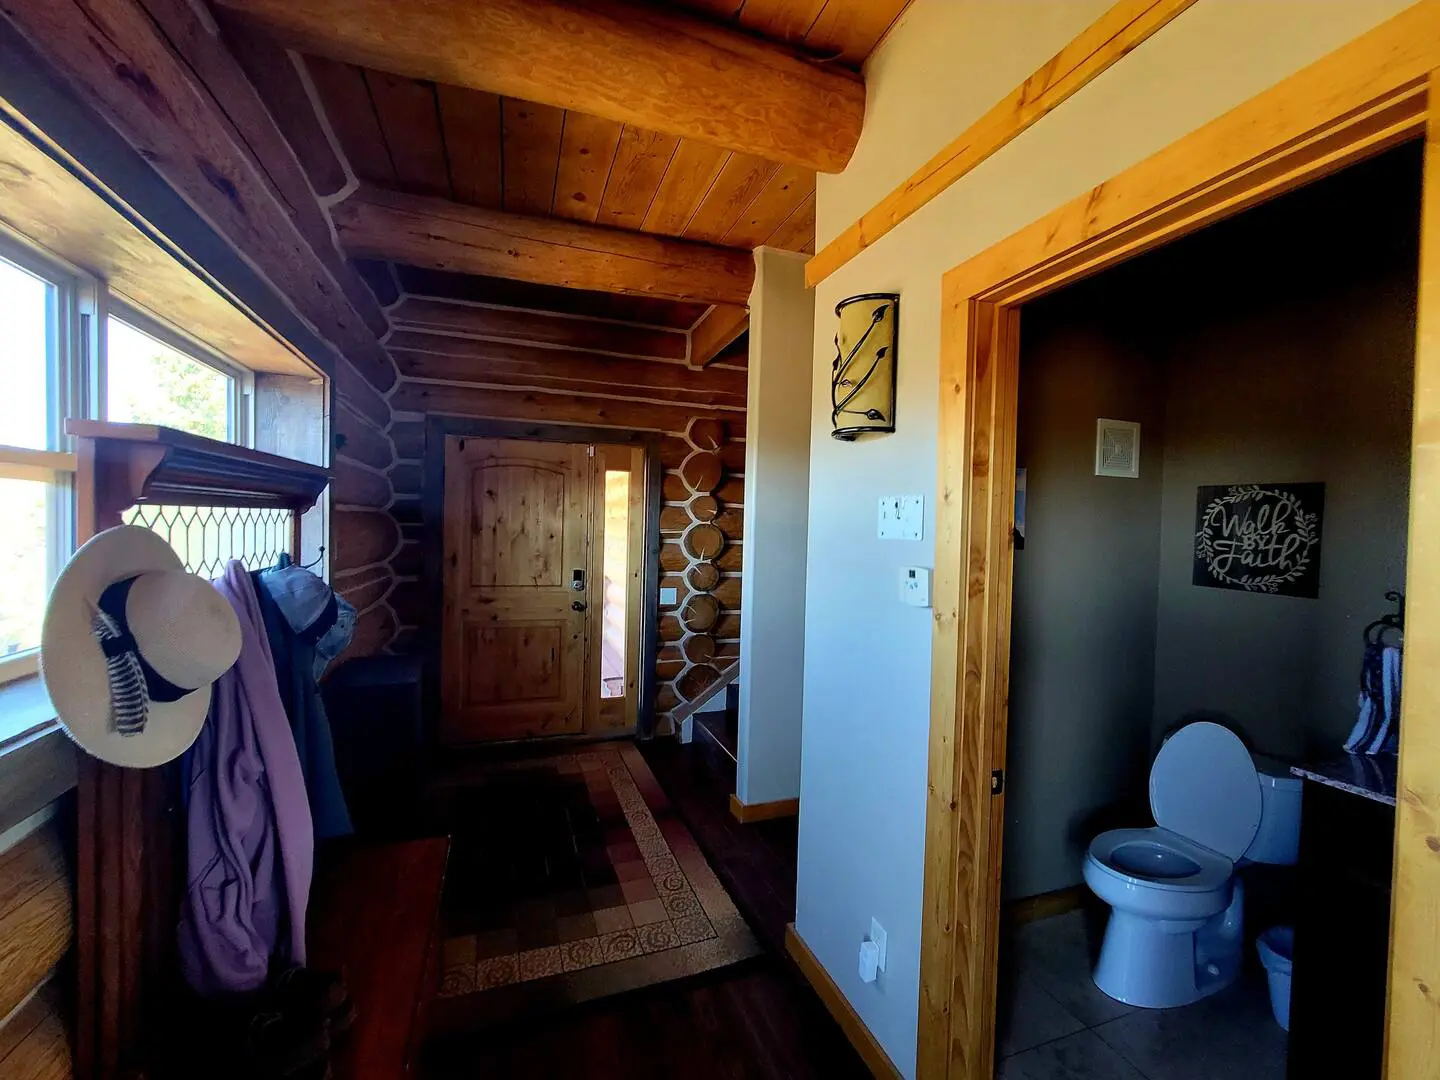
x: 687, y: 181
x: 734, y: 189
x: 719, y: 329
x: 410, y: 122
x: 721, y: 10
x: 587, y: 151
x: 849, y: 30
x: 797, y: 232
x: 775, y: 202
x: 657, y: 69
x: 279, y: 84
x: 443, y: 235
x: 531, y: 138
x: 641, y: 161
x: 352, y: 117
x: 509, y: 324
x: 476, y: 289
x: 165, y: 107
x: 786, y: 21
x: 470, y: 122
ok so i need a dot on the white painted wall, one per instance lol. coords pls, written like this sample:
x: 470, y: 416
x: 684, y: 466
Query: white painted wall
x: 777, y: 477
x: 867, y: 658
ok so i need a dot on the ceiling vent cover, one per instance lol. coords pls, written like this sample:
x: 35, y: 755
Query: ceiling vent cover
x: 1117, y: 448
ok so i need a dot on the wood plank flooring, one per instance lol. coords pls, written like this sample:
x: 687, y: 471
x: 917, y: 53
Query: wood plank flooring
x: 754, y: 1021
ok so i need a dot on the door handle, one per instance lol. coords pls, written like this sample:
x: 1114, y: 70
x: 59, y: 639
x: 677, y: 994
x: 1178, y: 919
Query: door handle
x: 577, y: 605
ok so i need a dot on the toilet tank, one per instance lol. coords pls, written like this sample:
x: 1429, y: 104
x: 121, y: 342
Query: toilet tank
x: 1278, y: 838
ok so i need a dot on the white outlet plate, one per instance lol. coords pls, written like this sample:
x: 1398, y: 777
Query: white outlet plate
x: 669, y: 597
x: 902, y: 517
x: 878, y: 936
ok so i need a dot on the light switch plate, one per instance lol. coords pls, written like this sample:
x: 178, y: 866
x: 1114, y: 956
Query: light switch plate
x: 880, y: 938
x: 902, y: 517
x: 915, y: 586
x: 669, y: 597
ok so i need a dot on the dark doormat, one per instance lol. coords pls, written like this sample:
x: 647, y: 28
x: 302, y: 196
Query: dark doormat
x: 571, y: 879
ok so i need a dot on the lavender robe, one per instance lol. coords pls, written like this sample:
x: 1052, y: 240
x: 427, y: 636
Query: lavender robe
x: 250, y: 843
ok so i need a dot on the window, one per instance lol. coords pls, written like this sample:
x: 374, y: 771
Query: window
x: 154, y: 376
x: 39, y: 305
x: 71, y: 350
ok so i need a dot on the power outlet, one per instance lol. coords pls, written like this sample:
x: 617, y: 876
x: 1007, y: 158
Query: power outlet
x: 878, y: 936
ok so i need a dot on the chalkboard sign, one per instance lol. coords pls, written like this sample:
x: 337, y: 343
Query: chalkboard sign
x: 1261, y: 538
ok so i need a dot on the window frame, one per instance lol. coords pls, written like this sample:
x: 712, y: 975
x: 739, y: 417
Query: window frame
x: 241, y: 392
x: 81, y: 308
x: 73, y: 307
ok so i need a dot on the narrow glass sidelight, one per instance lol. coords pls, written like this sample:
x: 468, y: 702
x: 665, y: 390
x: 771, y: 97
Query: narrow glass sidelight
x: 617, y: 583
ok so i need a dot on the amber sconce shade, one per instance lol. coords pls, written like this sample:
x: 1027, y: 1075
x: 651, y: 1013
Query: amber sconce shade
x: 862, y: 379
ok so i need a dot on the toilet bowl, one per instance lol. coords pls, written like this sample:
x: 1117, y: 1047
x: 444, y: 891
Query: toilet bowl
x: 1176, y: 929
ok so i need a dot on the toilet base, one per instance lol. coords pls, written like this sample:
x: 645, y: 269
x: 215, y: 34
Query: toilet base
x: 1155, y: 964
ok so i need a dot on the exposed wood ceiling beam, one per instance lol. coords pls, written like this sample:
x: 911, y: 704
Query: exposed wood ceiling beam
x: 444, y: 235
x: 166, y: 83
x: 641, y: 65
x: 721, y: 325
x: 510, y: 324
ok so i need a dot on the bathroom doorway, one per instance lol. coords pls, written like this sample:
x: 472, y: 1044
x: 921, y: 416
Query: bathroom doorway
x: 1265, y: 360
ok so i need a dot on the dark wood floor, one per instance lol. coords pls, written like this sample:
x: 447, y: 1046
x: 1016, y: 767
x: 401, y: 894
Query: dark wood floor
x: 754, y: 1021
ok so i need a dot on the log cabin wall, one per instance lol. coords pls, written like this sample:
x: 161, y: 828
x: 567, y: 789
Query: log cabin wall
x: 37, y: 928
x: 321, y: 172
x: 588, y: 367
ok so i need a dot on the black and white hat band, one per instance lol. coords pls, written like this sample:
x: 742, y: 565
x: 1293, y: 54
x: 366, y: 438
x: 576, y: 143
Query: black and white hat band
x: 134, y: 683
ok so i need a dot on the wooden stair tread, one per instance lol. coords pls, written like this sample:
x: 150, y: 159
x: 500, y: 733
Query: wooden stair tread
x: 374, y: 914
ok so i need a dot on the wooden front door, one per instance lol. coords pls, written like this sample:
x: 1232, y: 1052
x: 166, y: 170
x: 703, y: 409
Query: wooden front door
x: 517, y: 578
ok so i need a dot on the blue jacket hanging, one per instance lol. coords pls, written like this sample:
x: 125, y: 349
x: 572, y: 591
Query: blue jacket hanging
x: 308, y: 625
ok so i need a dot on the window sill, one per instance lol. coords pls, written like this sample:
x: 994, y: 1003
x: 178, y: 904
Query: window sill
x: 38, y: 762
x: 24, y: 710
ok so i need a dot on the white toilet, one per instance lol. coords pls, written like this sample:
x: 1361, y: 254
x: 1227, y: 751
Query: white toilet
x: 1176, y: 933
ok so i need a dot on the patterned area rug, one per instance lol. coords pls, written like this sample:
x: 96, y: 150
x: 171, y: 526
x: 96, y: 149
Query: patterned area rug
x: 571, y: 879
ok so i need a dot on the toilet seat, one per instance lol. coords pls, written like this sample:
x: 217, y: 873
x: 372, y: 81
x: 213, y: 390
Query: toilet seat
x: 1160, y: 859
x: 1203, y: 786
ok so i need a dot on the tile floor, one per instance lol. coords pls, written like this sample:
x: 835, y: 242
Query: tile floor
x: 1054, y: 1024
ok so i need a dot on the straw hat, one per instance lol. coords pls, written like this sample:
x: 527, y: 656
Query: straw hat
x: 130, y: 647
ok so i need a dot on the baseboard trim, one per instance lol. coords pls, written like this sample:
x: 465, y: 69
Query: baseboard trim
x: 1035, y: 908
x: 747, y: 813
x: 865, y: 1044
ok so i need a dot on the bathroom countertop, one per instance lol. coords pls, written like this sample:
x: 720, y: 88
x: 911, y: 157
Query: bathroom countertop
x: 1369, y: 777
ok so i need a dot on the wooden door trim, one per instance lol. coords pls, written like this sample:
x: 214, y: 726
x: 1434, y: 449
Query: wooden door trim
x: 432, y: 511
x: 1367, y: 96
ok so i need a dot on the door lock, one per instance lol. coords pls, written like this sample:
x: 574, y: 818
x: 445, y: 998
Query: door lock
x: 577, y: 605
x: 577, y: 580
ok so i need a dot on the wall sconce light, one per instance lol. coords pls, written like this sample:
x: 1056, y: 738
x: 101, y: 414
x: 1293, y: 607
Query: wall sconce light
x: 862, y: 379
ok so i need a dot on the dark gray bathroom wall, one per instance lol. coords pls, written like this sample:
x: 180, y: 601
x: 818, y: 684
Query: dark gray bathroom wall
x: 1277, y: 346
x: 1295, y: 364
x: 1083, y: 638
